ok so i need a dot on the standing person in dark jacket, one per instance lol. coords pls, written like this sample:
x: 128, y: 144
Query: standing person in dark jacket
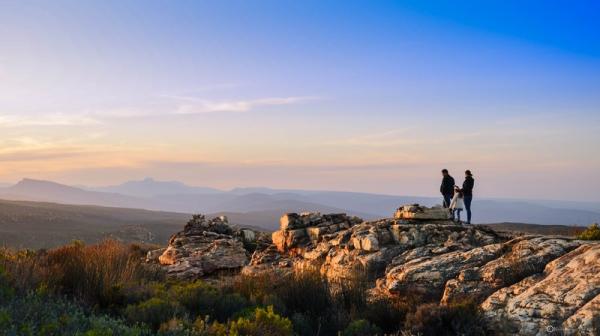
x: 447, y: 187
x: 467, y: 190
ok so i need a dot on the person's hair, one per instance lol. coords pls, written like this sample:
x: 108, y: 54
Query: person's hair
x: 444, y: 170
x: 468, y: 172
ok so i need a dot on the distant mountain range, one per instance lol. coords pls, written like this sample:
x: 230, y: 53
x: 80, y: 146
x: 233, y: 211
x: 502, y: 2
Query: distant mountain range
x: 151, y: 188
x: 265, y: 205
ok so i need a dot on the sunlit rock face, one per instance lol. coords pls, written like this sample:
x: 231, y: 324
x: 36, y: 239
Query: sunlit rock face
x: 564, y: 297
x: 340, y: 246
x: 204, y: 247
x: 525, y: 285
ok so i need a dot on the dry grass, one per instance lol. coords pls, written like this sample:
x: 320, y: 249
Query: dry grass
x: 91, y: 273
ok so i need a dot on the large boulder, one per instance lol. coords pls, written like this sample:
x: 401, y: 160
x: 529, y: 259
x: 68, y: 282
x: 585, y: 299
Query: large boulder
x: 418, y: 212
x: 204, y: 247
x: 299, y: 231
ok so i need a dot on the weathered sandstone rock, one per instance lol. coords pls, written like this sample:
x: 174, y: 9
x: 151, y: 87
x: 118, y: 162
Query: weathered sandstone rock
x: 203, y: 248
x: 299, y: 231
x: 522, y: 257
x: 415, y: 211
x: 564, y: 298
x: 526, y: 285
x: 340, y: 246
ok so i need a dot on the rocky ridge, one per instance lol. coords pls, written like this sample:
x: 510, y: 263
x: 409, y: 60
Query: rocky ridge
x: 525, y: 285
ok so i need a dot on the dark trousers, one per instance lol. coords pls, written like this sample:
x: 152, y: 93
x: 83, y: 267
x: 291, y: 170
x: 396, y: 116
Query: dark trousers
x: 447, y: 200
x: 468, y: 200
x: 456, y: 214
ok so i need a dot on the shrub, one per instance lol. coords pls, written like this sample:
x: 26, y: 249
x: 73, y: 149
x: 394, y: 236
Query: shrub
x: 361, y: 328
x: 255, y: 288
x: 462, y: 318
x: 351, y: 294
x: 202, y: 327
x: 228, y: 305
x: 303, y: 325
x: 198, y: 297
x: 264, y: 322
x: 35, y: 314
x: 106, y: 326
x: 591, y: 233
x: 386, y: 314
x: 305, y: 292
x: 6, y: 292
x: 92, y: 273
x: 152, y: 312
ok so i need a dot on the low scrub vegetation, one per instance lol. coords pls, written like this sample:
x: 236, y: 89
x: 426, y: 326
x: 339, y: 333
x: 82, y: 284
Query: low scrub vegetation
x: 591, y: 233
x: 107, y: 289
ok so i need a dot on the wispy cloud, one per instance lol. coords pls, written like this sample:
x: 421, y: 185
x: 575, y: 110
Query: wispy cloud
x: 194, y: 105
x: 43, y: 155
x: 187, y: 104
x: 11, y: 120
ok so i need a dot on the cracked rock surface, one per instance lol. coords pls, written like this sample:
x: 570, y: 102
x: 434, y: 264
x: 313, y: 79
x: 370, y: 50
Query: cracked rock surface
x: 525, y: 285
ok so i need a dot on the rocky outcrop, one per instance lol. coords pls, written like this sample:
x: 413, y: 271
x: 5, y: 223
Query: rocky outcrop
x: 526, y: 284
x: 340, y: 246
x: 521, y: 257
x: 564, y: 298
x: 204, y: 247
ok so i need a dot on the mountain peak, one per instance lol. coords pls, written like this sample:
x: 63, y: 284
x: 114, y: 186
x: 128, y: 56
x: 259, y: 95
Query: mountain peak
x: 149, y: 187
x: 35, y: 182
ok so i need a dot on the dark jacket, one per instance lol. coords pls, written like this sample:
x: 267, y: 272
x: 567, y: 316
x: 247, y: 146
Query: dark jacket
x: 447, y: 187
x: 468, y: 185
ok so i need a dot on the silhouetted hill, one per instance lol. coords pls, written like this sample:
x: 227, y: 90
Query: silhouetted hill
x: 37, y: 225
x: 150, y: 188
x: 46, y: 191
x: 162, y: 196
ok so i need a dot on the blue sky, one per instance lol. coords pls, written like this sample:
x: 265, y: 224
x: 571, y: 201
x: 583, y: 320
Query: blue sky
x: 345, y: 95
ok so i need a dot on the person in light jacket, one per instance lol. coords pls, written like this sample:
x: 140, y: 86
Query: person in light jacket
x: 457, y: 204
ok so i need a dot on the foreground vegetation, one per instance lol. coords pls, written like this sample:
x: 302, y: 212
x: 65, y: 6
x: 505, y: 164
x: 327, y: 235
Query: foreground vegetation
x: 106, y: 289
x: 591, y: 233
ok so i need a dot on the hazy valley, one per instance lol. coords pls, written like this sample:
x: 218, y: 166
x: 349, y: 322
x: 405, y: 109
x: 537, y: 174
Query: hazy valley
x: 48, y: 214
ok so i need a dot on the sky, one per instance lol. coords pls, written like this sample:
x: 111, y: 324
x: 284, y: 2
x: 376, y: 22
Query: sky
x: 370, y: 96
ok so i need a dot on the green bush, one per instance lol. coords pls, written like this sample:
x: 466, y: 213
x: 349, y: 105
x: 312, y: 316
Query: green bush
x: 109, y: 279
x: 462, y: 318
x: 361, y: 328
x: 386, y: 314
x: 263, y: 322
x: 35, y: 314
x: 303, y: 325
x: 198, y: 297
x: 6, y: 291
x: 228, y: 306
x: 305, y: 292
x: 152, y: 312
x: 591, y: 233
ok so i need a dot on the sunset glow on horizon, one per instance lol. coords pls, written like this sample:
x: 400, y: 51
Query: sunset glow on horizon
x: 364, y: 96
